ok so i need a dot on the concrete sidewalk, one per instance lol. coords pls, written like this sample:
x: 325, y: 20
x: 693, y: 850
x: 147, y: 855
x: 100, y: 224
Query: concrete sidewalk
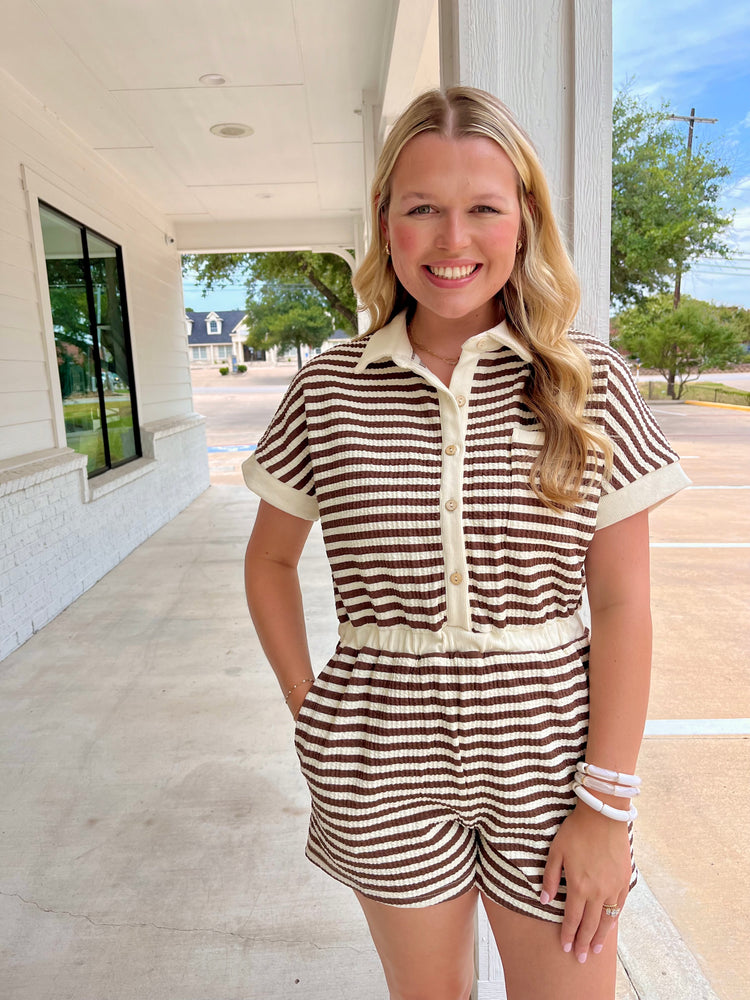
x: 154, y: 819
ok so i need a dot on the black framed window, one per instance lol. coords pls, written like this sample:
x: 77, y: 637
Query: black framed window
x: 92, y: 340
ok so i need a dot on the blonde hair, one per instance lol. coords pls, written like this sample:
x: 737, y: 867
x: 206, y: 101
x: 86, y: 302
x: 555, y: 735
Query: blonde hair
x: 540, y: 298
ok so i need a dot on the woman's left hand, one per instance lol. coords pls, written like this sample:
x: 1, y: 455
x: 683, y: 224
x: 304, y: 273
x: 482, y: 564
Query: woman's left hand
x: 594, y: 853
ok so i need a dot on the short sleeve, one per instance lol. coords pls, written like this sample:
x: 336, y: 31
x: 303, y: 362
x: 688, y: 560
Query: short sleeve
x: 645, y: 469
x: 280, y: 470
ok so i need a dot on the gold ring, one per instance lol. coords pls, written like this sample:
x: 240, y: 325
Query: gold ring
x: 612, y: 909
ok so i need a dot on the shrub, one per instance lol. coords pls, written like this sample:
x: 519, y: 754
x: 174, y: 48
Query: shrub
x: 241, y: 368
x: 223, y: 370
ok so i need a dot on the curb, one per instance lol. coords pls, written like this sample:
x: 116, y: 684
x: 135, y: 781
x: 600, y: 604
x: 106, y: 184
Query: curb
x: 655, y: 957
x: 720, y: 406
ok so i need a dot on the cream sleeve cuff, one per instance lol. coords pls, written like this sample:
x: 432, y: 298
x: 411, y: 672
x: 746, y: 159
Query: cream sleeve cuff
x: 278, y: 494
x: 644, y: 493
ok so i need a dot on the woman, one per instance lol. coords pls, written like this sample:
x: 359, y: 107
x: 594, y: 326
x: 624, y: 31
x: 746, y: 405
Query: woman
x: 473, y: 463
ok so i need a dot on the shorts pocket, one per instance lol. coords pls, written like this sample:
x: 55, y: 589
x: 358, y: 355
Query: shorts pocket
x: 310, y: 698
x: 317, y: 718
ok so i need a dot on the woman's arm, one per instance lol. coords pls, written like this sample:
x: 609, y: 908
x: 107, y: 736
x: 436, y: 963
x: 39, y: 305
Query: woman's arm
x: 618, y: 583
x: 593, y: 850
x: 275, y: 599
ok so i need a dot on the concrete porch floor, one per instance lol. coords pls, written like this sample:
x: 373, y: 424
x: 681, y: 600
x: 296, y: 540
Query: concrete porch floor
x: 153, y: 817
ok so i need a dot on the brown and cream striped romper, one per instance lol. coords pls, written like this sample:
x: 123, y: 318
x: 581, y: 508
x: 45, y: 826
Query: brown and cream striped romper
x: 440, y: 741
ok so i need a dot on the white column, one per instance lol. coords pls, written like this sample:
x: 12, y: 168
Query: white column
x: 550, y: 61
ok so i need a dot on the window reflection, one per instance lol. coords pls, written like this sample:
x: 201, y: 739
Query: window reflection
x: 91, y: 340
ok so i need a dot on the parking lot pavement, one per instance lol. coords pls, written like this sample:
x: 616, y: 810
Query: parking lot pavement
x: 695, y: 810
x: 237, y: 408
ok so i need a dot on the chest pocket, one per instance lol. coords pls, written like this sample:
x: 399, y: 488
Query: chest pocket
x: 527, y: 436
x: 569, y: 529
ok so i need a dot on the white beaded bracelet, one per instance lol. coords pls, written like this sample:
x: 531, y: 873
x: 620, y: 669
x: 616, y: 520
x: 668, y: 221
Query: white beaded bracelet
x: 622, y: 815
x: 622, y: 791
x: 601, y: 772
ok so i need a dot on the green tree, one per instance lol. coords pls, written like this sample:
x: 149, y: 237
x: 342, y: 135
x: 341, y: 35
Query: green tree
x: 680, y: 343
x: 739, y: 318
x: 287, y: 316
x: 665, y: 214
x: 327, y: 273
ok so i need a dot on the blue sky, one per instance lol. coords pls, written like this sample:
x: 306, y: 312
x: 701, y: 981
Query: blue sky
x: 691, y: 53
x: 696, y: 53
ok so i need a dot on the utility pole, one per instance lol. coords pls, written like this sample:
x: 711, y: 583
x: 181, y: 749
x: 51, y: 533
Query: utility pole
x: 692, y: 119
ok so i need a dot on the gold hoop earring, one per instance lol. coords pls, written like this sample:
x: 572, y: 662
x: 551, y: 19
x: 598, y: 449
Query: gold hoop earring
x: 388, y: 248
x: 519, y: 246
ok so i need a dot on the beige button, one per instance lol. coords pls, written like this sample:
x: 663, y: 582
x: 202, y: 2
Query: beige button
x: 483, y: 345
x: 456, y: 578
x: 451, y: 449
x: 451, y: 504
x: 461, y: 400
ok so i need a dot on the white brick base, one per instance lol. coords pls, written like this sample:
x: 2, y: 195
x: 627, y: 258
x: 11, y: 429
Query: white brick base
x: 61, y: 532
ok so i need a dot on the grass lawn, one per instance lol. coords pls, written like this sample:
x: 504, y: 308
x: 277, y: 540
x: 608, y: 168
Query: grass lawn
x: 705, y: 392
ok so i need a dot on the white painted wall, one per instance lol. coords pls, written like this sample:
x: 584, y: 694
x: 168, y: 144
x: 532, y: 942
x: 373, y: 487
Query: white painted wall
x: 58, y: 533
x: 72, y: 179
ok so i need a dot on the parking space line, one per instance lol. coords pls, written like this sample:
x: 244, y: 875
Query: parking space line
x: 700, y: 545
x: 231, y: 447
x: 697, y: 727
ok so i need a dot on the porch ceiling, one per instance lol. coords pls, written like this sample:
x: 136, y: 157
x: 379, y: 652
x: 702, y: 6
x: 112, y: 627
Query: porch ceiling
x: 123, y: 75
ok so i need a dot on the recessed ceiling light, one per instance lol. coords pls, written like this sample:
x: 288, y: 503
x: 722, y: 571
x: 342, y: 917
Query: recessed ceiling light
x: 212, y: 80
x: 231, y: 130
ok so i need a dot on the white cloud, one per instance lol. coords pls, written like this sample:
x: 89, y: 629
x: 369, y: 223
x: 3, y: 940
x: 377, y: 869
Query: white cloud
x: 736, y: 192
x: 662, y: 44
x: 739, y: 234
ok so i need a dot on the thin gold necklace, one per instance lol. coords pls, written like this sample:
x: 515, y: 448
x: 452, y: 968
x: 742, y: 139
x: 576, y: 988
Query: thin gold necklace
x: 449, y: 361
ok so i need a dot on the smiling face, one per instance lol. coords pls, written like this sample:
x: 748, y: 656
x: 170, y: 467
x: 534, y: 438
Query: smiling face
x: 453, y: 222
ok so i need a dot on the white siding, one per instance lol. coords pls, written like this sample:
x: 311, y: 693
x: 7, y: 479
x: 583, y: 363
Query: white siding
x: 32, y: 137
x: 60, y: 532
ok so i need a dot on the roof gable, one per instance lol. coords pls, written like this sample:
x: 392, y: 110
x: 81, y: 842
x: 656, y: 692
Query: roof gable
x: 231, y: 319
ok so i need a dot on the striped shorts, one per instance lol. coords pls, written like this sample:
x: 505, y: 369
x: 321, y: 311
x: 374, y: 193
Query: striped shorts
x: 441, y: 761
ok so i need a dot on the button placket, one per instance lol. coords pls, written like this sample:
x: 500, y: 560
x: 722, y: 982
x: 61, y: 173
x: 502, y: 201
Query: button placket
x: 454, y: 411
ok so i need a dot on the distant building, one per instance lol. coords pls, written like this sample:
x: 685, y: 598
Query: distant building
x: 336, y: 338
x: 217, y: 337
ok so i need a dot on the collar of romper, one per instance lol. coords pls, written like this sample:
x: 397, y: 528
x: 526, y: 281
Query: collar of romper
x: 392, y: 342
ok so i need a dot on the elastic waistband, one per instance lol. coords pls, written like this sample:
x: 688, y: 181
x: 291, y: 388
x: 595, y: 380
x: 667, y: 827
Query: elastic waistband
x: 451, y: 639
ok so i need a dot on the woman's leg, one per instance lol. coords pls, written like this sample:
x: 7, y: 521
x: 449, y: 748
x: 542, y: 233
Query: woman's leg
x: 427, y: 951
x: 536, y: 967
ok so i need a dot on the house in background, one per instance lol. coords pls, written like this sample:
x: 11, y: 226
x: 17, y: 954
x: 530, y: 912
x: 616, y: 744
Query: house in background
x: 219, y: 338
